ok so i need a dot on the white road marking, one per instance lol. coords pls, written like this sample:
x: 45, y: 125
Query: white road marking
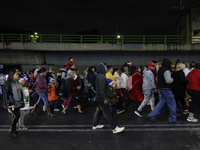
x: 131, y: 126
x: 87, y: 128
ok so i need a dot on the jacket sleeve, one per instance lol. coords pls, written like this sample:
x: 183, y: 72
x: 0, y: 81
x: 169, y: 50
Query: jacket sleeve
x: 167, y: 76
x: 63, y: 76
x: 152, y: 82
x: 6, y: 89
x: 103, y: 90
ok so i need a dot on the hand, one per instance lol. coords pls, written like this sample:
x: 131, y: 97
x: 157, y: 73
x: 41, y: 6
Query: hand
x: 92, y: 88
x: 7, y: 107
x: 155, y: 90
x: 78, y: 87
x: 106, y: 102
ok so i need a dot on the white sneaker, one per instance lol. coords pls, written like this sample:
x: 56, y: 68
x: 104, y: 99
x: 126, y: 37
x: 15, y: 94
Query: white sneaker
x: 138, y: 113
x: 97, y: 127
x: 118, y: 129
x: 44, y: 108
x: 56, y: 109
x: 62, y: 106
x: 9, y: 111
x: 23, y: 128
x: 192, y: 119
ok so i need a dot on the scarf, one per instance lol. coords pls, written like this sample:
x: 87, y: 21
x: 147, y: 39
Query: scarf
x: 14, y: 91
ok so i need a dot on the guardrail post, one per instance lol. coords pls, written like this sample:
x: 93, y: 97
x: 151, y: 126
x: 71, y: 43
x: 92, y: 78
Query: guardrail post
x: 143, y: 39
x: 188, y: 39
x: 122, y: 39
x: 165, y: 40
x: 61, y: 38
x: 21, y: 37
x: 41, y: 38
x: 2, y: 38
x: 81, y: 39
x: 101, y: 38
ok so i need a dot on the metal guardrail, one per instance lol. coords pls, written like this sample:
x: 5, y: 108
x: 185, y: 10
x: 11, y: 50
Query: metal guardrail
x: 120, y: 39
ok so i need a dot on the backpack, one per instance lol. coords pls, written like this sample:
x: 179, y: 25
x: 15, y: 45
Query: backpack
x: 129, y: 84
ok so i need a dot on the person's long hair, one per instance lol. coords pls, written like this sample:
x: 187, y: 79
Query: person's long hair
x: 135, y: 68
x: 115, y: 69
x: 42, y: 70
x: 10, y: 75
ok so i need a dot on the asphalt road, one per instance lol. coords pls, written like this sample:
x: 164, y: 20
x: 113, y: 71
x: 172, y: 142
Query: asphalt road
x: 73, y: 131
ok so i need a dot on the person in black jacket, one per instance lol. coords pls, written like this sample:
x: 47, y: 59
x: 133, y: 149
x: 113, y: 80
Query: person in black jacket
x: 179, y: 86
x: 13, y: 90
x: 91, y: 77
x: 102, y: 93
x: 166, y: 96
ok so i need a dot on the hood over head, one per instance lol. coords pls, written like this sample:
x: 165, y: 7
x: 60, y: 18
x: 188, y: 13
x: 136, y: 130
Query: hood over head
x: 101, y: 68
x: 166, y: 63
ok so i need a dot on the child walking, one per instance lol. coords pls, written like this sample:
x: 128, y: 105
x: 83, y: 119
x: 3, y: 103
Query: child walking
x: 25, y: 110
x: 52, y: 97
x: 112, y: 99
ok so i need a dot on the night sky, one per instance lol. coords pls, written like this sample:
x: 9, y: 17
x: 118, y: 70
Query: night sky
x: 72, y: 16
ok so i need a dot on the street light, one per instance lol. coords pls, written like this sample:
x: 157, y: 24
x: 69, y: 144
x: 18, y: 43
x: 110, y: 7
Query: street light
x: 118, y: 36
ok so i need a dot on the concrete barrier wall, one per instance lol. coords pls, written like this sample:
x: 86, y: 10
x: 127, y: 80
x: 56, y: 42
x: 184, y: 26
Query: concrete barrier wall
x: 31, y: 54
x: 97, y: 47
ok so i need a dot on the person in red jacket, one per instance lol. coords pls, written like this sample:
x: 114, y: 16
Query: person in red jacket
x: 193, y: 89
x: 137, y: 80
x: 70, y: 63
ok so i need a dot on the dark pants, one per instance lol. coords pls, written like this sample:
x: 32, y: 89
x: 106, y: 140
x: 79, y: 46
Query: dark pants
x: 103, y: 109
x: 179, y: 95
x: 15, y: 118
x: 64, y: 90
x: 127, y: 100
x: 113, y: 109
x: 53, y: 104
x: 195, y: 100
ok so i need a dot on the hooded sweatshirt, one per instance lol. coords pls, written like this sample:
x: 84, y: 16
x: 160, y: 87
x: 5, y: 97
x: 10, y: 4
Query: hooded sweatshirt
x: 149, y: 82
x: 102, y: 85
x: 164, y: 75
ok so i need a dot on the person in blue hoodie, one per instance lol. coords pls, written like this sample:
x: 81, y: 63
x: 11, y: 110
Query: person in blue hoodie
x: 102, y: 94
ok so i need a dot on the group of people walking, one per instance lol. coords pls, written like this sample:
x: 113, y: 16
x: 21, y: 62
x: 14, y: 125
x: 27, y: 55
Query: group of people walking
x: 112, y: 92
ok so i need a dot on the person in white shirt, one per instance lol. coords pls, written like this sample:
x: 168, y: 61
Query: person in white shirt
x: 187, y: 69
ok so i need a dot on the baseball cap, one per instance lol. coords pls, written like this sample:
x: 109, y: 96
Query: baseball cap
x: 150, y: 64
x: 194, y: 61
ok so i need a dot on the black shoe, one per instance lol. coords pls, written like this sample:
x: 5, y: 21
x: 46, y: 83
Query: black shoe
x: 13, y: 134
x: 175, y: 122
x: 16, y: 133
x: 152, y: 120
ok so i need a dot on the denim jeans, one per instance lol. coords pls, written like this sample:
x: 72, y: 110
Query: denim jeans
x: 166, y: 97
x: 42, y: 97
x: 53, y: 103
